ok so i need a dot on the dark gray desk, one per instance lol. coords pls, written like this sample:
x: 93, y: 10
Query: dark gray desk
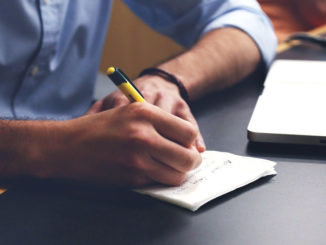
x: 287, y: 209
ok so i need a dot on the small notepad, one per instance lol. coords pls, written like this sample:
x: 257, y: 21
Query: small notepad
x: 218, y: 174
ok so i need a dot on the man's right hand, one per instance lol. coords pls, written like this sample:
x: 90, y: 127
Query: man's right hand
x: 132, y: 145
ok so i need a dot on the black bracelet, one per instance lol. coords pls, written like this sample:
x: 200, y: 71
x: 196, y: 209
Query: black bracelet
x: 168, y: 77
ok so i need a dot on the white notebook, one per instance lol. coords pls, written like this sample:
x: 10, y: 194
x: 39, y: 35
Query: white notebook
x: 218, y: 174
x: 291, y: 108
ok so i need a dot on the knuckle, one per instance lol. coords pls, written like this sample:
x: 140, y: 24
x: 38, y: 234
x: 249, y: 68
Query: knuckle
x: 182, y: 105
x: 141, y: 138
x: 199, y: 160
x: 137, y: 164
x: 191, y: 161
x: 140, y: 110
x: 184, y: 166
x: 188, y: 165
x: 118, y: 100
x: 139, y: 181
x: 192, y: 131
x: 178, y: 179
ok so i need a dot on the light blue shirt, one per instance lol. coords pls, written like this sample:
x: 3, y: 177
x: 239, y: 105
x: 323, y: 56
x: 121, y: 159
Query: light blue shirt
x: 50, y: 49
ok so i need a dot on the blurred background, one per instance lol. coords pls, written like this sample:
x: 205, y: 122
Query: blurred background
x: 133, y: 46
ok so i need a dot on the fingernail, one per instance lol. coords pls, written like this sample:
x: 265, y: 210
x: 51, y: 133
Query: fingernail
x: 201, y: 147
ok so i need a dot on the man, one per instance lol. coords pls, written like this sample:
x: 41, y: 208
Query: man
x: 49, y: 58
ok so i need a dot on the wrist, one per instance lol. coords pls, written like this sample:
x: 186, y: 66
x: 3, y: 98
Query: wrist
x: 33, y: 146
x: 169, y: 77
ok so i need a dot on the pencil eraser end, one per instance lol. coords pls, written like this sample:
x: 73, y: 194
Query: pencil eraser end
x: 110, y: 70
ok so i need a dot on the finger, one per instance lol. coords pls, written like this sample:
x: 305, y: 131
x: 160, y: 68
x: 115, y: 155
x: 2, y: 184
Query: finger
x: 173, y: 127
x: 95, y: 108
x: 186, y: 114
x: 127, y: 177
x: 136, y: 180
x: 162, y: 173
x: 116, y: 99
x: 120, y: 100
x: 174, y: 155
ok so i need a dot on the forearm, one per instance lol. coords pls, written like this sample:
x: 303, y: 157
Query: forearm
x: 220, y: 59
x: 23, y: 146
x: 130, y: 145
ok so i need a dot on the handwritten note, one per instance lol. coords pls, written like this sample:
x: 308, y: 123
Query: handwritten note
x: 218, y: 174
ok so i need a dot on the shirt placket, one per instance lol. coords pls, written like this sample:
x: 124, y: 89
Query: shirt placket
x: 49, y: 11
x: 51, y: 27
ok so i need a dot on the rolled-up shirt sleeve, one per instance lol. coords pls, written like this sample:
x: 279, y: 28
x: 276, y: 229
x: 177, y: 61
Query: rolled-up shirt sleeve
x: 187, y: 21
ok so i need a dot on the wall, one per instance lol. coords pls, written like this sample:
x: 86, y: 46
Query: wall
x: 131, y: 45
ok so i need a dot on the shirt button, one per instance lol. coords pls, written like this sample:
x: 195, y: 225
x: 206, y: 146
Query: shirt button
x: 46, y: 1
x: 34, y: 70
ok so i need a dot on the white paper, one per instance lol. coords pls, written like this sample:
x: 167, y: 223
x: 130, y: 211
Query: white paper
x: 218, y: 174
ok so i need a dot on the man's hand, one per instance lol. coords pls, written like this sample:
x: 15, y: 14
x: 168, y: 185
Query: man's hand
x: 223, y: 56
x: 158, y: 92
x: 130, y: 145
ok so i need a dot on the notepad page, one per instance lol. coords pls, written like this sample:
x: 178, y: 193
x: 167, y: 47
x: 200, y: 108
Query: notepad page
x: 218, y: 174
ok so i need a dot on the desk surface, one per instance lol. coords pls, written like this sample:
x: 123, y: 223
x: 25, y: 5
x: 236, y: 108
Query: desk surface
x: 289, y: 208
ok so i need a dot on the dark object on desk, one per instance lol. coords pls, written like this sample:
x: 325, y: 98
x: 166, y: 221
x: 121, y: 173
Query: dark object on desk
x: 304, y: 37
